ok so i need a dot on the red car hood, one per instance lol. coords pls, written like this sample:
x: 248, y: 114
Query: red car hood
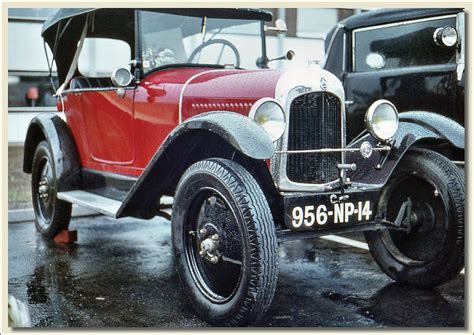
x: 226, y: 90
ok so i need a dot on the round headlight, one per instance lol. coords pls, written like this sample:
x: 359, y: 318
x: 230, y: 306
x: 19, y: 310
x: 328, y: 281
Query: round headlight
x: 381, y: 120
x: 269, y: 114
x: 446, y: 36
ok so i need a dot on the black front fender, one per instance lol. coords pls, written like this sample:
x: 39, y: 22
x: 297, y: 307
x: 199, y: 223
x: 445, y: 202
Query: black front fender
x: 214, y: 134
x: 50, y: 127
x: 446, y: 129
x: 238, y: 130
x: 413, y: 129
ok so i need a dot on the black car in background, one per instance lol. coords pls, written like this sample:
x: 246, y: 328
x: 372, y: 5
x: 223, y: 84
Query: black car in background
x: 414, y: 58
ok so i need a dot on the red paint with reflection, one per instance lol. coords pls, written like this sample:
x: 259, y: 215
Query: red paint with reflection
x: 121, y: 134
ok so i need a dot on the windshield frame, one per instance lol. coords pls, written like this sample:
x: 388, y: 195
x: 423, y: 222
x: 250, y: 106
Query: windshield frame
x: 139, y: 73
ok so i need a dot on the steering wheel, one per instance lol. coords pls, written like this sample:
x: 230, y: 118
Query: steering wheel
x: 217, y: 41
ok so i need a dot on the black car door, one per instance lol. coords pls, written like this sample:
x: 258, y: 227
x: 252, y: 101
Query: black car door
x: 402, y: 63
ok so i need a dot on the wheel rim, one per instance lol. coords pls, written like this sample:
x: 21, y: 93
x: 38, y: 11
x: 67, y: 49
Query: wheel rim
x: 214, y: 246
x: 427, y: 234
x: 44, y: 193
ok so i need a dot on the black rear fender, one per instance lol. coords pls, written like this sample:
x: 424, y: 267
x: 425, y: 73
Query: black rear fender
x: 55, y: 131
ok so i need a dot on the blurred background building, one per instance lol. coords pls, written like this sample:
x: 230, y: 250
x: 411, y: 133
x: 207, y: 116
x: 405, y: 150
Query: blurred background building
x: 29, y: 87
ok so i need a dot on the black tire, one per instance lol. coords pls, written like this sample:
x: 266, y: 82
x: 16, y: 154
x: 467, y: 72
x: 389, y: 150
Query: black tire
x: 433, y: 251
x: 223, y: 198
x: 51, y: 214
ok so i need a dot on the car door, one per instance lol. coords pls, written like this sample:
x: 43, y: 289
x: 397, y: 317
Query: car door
x: 402, y: 63
x: 107, y: 110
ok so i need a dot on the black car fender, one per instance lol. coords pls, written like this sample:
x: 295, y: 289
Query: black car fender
x: 51, y: 127
x: 213, y: 134
x: 415, y: 129
x: 448, y: 130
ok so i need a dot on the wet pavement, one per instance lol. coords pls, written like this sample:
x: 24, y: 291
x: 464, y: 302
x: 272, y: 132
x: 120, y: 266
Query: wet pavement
x: 121, y: 273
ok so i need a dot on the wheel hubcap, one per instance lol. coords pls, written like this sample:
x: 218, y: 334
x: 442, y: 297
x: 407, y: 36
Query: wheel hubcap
x: 44, y: 202
x: 214, y: 246
x: 43, y: 188
x: 427, y: 232
x: 423, y: 219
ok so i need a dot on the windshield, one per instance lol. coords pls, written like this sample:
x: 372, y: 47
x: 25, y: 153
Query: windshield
x: 167, y: 39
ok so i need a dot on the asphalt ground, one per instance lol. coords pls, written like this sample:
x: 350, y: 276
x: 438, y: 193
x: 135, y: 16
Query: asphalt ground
x: 121, y: 273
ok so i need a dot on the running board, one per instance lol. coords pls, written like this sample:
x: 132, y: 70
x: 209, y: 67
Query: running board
x: 92, y: 201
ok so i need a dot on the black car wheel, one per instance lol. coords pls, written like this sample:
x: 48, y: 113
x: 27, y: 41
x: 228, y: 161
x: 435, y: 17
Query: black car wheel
x: 432, y: 251
x: 51, y: 214
x: 225, y: 243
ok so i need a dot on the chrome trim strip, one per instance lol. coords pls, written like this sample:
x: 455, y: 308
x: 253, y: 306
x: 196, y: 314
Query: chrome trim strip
x: 32, y: 109
x: 180, y: 114
x: 328, y: 150
x: 401, y: 23
x: 344, y: 54
x: 387, y: 25
x: 460, y: 57
x: 343, y: 118
x: 95, y: 89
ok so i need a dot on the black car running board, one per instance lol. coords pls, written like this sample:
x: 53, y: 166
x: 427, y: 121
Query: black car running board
x: 92, y: 201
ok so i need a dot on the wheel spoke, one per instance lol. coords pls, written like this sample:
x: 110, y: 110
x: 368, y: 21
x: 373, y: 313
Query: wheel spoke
x: 230, y: 260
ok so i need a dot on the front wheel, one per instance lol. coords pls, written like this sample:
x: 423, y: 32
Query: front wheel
x: 224, y: 242
x: 432, y: 251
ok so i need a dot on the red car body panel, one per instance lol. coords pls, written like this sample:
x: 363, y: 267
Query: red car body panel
x: 121, y: 135
x: 227, y: 90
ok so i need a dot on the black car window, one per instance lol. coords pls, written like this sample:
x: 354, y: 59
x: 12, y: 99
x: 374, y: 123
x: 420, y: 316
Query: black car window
x: 403, y: 45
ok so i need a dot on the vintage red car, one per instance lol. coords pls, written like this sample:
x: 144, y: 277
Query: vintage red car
x: 252, y: 156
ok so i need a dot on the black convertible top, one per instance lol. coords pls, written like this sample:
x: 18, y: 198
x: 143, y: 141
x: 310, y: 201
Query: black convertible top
x: 389, y: 15
x: 224, y: 13
x: 62, y: 31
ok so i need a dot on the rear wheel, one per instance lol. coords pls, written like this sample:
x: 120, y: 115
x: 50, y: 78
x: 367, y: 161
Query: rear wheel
x: 432, y: 251
x: 51, y: 214
x: 224, y: 242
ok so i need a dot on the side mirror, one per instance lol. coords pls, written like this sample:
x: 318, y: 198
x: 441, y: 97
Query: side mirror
x: 280, y: 27
x: 290, y: 55
x: 121, y: 77
x: 263, y: 64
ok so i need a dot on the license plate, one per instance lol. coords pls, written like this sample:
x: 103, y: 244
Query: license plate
x: 319, y: 212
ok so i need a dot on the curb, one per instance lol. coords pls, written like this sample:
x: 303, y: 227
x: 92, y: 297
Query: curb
x: 27, y: 214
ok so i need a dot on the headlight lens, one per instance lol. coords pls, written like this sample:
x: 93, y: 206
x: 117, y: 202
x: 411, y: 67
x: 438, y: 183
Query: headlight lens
x: 269, y: 114
x: 381, y: 120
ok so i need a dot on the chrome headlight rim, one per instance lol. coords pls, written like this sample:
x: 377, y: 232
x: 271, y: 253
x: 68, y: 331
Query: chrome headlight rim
x: 255, y: 108
x: 369, y: 116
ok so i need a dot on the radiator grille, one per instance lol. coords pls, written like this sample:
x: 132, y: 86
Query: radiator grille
x: 314, y: 123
